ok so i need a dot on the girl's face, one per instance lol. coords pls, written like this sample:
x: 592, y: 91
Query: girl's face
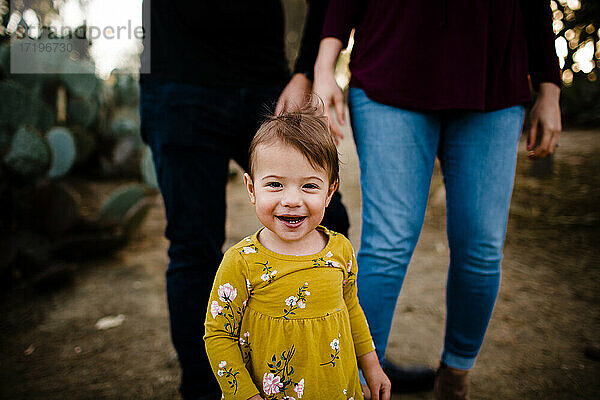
x: 290, y: 198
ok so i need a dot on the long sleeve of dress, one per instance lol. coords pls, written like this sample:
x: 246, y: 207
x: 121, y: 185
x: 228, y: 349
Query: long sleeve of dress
x: 363, y: 343
x: 222, y: 328
x: 541, y: 53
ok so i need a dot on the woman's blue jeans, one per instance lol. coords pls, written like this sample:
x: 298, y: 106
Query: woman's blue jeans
x: 397, y: 149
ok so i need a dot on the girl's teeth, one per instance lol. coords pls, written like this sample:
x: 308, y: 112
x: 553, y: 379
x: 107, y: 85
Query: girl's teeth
x: 291, y: 221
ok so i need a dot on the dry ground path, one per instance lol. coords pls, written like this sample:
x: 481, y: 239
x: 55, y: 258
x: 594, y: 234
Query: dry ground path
x: 547, y: 310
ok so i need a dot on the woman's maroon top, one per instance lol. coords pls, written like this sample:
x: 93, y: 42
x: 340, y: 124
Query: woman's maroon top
x: 447, y: 54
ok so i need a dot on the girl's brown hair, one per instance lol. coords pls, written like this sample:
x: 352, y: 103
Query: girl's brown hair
x: 306, y: 130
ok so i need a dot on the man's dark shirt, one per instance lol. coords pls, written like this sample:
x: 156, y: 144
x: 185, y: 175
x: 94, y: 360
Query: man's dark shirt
x: 227, y: 42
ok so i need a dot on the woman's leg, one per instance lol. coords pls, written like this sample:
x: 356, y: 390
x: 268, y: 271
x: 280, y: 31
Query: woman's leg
x: 396, y: 149
x: 478, y: 153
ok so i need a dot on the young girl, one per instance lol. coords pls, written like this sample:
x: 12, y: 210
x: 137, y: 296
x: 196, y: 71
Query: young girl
x: 283, y: 319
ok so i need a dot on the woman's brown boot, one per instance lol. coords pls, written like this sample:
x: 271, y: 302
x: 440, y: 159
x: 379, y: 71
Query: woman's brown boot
x: 451, y: 384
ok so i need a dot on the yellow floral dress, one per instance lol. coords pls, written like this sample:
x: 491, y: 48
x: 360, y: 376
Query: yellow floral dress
x: 287, y: 327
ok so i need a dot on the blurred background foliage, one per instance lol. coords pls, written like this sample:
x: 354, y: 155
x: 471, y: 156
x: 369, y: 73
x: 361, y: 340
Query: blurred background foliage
x: 577, y: 28
x: 81, y: 124
x: 59, y: 131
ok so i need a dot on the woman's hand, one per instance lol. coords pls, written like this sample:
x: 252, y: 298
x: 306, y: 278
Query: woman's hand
x: 378, y: 382
x: 544, y: 117
x: 326, y: 87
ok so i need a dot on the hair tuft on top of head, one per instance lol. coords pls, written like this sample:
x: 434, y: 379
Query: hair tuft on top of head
x: 306, y: 129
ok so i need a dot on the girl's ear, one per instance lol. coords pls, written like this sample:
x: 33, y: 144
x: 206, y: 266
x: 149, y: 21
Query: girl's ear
x: 332, y: 188
x: 250, y: 188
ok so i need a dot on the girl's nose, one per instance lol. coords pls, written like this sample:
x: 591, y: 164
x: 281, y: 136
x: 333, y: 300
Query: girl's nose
x: 291, y: 198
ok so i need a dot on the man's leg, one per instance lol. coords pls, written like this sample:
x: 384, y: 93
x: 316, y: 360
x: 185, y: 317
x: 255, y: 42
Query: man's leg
x: 478, y: 153
x: 396, y: 150
x: 181, y: 124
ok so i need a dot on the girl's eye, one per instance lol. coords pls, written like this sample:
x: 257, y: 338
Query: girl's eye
x: 274, y: 184
x: 311, y: 186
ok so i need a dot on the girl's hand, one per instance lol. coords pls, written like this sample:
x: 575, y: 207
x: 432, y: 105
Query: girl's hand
x: 256, y: 397
x: 544, y: 117
x: 378, y: 382
x: 326, y: 87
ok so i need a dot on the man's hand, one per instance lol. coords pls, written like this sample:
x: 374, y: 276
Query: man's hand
x: 544, y: 117
x: 294, y: 94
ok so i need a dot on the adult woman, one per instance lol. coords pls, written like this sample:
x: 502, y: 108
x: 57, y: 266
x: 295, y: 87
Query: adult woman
x: 449, y: 82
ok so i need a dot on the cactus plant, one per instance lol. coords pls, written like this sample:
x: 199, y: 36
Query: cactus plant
x: 16, y: 102
x: 85, y: 143
x: 148, y: 169
x: 124, y: 125
x: 80, y: 79
x: 42, y: 115
x: 81, y: 112
x: 127, y: 92
x: 135, y: 216
x: 64, y: 151
x: 21, y: 106
x: 29, y: 155
x: 120, y: 202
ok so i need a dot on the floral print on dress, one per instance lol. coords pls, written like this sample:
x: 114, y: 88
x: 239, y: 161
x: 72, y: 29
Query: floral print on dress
x: 271, y: 383
x: 227, y: 293
x: 268, y: 272
x: 215, y: 309
x: 249, y: 249
x: 351, y: 279
x: 296, y: 302
x: 228, y: 374
x: 245, y: 347
x: 335, y: 355
x: 278, y: 381
x: 323, y: 262
x: 299, y: 388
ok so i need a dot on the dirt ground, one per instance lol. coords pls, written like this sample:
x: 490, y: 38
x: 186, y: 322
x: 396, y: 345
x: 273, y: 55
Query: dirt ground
x: 547, y: 310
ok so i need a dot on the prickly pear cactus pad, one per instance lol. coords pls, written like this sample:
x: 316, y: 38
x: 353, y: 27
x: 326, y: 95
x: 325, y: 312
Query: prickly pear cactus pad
x: 147, y: 167
x: 29, y: 155
x: 62, y: 145
x: 120, y: 202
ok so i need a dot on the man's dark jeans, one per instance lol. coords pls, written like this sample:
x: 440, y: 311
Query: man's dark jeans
x: 193, y: 132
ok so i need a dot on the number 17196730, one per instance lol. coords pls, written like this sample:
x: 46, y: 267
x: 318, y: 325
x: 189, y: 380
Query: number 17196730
x: 46, y: 47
